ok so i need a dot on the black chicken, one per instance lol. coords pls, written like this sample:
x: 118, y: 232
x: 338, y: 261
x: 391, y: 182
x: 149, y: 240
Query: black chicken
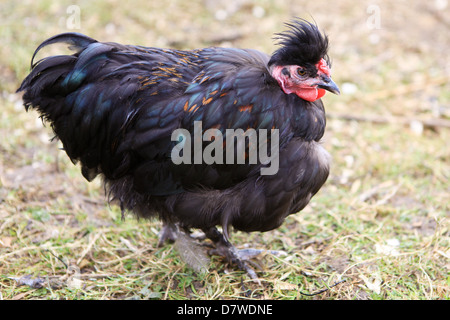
x: 115, y: 108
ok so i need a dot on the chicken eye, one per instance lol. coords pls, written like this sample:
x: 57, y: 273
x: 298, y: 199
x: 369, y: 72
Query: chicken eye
x: 301, y: 72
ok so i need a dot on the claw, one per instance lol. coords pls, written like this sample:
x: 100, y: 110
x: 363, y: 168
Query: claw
x: 226, y: 249
x: 241, y: 258
x: 168, y: 233
x: 250, y: 253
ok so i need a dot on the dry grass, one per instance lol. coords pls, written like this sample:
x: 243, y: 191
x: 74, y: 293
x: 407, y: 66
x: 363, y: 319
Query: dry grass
x: 381, y: 223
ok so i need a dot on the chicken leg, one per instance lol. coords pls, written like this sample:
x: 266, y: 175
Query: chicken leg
x: 168, y: 233
x: 224, y: 248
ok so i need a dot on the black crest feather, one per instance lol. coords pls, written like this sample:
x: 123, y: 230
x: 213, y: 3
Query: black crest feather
x: 301, y: 44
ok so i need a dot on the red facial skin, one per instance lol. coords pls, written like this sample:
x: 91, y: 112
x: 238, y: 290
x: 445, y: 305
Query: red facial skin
x: 304, y: 87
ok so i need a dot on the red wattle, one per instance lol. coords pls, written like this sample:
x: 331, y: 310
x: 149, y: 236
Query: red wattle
x: 310, y: 94
x: 320, y: 93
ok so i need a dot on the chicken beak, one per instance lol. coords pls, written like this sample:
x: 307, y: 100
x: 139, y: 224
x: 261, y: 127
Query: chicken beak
x: 328, y: 84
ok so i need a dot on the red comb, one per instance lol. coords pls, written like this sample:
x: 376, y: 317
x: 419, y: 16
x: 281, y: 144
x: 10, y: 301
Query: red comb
x: 323, y: 66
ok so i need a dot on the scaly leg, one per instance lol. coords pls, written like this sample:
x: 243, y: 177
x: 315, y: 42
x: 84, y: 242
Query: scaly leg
x: 168, y: 233
x: 227, y: 250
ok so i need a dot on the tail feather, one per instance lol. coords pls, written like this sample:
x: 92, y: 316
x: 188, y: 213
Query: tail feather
x: 76, y: 40
x: 63, y: 89
x: 44, y: 76
x: 90, y: 100
x: 94, y: 98
x: 49, y: 69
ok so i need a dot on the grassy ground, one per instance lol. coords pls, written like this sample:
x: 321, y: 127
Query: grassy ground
x: 381, y: 223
